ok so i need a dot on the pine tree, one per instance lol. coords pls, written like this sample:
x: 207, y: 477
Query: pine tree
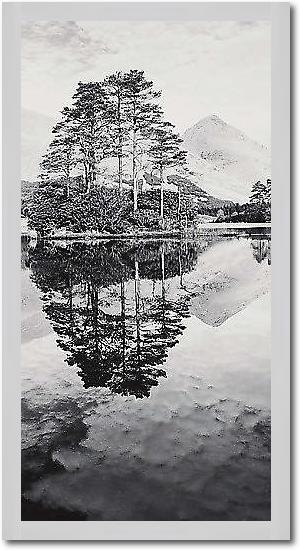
x: 260, y: 202
x: 88, y: 121
x: 60, y: 157
x: 143, y: 114
x: 165, y: 152
x: 268, y: 199
x: 117, y: 111
x: 268, y: 191
x: 258, y: 193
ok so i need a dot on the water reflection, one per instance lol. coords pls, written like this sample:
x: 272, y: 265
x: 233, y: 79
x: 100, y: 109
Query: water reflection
x: 261, y: 250
x: 116, y: 333
x: 199, y: 448
x: 113, y: 308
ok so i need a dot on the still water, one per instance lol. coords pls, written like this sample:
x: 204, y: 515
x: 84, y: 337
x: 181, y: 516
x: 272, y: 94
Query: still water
x: 146, y: 379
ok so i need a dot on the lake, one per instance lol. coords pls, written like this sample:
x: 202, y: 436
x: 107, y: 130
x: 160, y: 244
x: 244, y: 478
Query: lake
x: 146, y: 379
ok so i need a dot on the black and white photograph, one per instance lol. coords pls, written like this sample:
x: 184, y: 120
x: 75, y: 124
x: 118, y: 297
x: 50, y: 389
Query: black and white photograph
x: 146, y: 187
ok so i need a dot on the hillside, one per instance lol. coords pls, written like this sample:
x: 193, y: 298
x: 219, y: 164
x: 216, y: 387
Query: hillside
x: 188, y: 188
x: 223, y: 160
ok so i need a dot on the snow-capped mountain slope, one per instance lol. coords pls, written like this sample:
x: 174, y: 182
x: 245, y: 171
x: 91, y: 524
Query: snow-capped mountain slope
x: 223, y: 160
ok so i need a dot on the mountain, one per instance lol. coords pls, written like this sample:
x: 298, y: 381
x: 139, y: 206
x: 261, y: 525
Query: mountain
x: 223, y: 161
x: 35, y: 138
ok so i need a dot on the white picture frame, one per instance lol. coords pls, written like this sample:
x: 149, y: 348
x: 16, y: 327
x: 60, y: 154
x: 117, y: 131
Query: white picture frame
x: 278, y: 13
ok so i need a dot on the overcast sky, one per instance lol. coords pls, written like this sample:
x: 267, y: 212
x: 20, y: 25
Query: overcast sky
x: 202, y: 68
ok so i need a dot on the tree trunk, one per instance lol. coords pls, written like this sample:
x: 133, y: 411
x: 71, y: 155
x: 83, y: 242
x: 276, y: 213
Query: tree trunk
x: 123, y: 320
x: 137, y: 308
x: 95, y: 309
x: 120, y: 146
x: 162, y: 198
x: 180, y: 268
x: 163, y: 271
x: 71, y: 301
x: 86, y: 178
x: 88, y: 187
x: 134, y: 179
x: 120, y: 169
x: 163, y: 289
x: 93, y: 173
x: 88, y: 296
x: 153, y: 289
x: 179, y: 203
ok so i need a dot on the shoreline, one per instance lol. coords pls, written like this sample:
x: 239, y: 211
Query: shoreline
x: 237, y: 225
x: 192, y: 233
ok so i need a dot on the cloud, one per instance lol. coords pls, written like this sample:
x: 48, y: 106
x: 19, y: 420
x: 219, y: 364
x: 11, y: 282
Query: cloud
x: 200, y: 66
x: 61, y: 44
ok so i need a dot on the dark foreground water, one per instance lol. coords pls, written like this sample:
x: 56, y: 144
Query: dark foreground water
x: 146, y: 380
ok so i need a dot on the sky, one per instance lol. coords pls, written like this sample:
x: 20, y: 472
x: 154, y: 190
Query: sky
x: 201, y: 67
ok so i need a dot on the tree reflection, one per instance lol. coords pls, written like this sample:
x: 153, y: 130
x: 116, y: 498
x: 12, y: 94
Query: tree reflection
x: 111, y: 309
x: 261, y: 249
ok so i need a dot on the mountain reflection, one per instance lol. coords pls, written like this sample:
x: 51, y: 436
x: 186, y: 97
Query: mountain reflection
x: 111, y: 310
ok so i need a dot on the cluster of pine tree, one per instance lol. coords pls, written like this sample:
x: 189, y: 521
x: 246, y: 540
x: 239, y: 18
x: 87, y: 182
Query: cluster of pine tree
x: 119, y: 118
x: 261, y: 193
x: 258, y: 209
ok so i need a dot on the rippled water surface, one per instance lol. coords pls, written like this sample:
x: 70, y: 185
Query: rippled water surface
x: 146, y: 379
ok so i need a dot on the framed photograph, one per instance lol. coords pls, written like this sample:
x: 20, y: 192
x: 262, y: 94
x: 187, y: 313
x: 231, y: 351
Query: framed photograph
x: 146, y: 271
